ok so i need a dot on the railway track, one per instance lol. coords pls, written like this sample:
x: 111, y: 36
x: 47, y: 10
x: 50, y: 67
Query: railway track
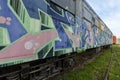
x: 83, y: 60
x: 103, y: 68
x: 99, y: 72
x: 106, y: 77
x: 113, y: 59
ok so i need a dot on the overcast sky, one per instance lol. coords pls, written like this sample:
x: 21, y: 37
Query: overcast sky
x: 109, y: 12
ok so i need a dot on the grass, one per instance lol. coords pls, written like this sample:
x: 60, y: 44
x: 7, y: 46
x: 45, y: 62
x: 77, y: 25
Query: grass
x: 97, y: 68
x: 115, y: 68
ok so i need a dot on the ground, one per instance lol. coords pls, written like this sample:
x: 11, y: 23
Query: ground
x: 97, y: 69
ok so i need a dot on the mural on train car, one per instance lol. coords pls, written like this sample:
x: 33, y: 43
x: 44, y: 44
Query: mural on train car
x: 95, y: 35
x: 38, y: 29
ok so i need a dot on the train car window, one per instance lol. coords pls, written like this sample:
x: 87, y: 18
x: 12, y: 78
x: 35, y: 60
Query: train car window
x: 18, y: 8
x: 46, y: 21
x: 44, y: 18
x: 66, y: 4
x: 86, y: 14
x: 14, y: 4
x: 56, y: 8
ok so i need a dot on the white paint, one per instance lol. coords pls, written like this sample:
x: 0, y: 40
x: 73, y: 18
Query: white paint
x: 60, y: 40
x: 36, y: 44
x: 28, y: 45
x: 66, y: 7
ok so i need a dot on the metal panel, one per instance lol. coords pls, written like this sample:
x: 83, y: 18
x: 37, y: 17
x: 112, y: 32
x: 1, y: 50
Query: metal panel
x: 87, y: 12
x: 79, y: 8
x: 96, y: 21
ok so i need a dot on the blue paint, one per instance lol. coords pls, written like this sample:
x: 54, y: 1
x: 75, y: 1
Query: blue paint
x: 94, y: 29
x: 15, y: 29
x: 84, y: 31
x: 64, y: 42
x: 57, y: 19
x: 32, y: 7
x: 71, y: 21
x: 79, y: 31
x: 56, y: 16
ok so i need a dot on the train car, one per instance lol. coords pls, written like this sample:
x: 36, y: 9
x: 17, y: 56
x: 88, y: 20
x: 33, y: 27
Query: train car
x: 98, y: 33
x: 114, y: 40
x: 35, y: 30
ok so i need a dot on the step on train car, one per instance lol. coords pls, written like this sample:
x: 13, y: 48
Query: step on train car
x: 32, y: 31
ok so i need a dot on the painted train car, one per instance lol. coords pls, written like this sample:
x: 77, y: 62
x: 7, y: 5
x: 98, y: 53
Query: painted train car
x: 39, y: 29
x: 114, y: 39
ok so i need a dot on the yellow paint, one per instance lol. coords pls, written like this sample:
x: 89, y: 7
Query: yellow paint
x: 99, y: 24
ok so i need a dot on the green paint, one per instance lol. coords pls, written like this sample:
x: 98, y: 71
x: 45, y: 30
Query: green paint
x: 50, y: 47
x: 63, y: 51
x: 23, y: 15
x: 34, y: 26
x: 13, y: 62
x: 4, y: 38
x: 45, y: 19
x: 18, y: 61
x: 81, y: 51
x: 67, y: 27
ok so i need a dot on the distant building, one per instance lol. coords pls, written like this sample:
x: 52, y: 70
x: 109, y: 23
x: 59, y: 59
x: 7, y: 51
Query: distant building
x: 118, y: 41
